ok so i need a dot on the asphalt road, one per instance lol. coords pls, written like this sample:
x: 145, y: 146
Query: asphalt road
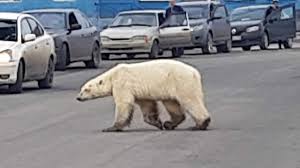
x: 254, y: 99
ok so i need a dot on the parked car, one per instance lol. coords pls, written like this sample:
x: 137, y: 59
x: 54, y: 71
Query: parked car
x: 210, y: 25
x: 76, y: 38
x: 252, y: 26
x: 145, y: 32
x: 27, y: 52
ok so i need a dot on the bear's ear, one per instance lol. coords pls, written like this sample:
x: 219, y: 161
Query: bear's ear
x: 100, y: 82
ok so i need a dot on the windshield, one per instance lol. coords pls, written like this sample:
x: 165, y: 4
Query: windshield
x: 197, y: 12
x: 247, y: 14
x: 135, y: 19
x: 51, y: 20
x: 8, y: 30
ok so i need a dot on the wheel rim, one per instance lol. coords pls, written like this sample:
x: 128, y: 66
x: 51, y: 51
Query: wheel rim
x: 50, y: 71
x: 290, y: 42
x: 229, y: 45
x: 210, y: 44
x: 96, y: 55
x: 266, y: 41
x: 155, y: 49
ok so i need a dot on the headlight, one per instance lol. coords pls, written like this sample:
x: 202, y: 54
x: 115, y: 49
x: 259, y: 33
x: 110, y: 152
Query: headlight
x: 141, y: 38
x: 233, y: 31
x: 104, y: 38
x: 198, y: 28
x: 252, y: 29
x: 6, y: 56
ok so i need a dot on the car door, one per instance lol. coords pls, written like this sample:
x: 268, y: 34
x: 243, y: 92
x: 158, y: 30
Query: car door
x: 175, y: 31
x: 29, y: 51
x: 88, y: 33
x: 42, y: 49
x: 220, y: 23
x: 76, y: 42
x: 273, y: 25
x: 287, y: 26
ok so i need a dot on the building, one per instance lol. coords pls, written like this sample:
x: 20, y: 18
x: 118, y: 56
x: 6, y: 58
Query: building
x: 101, y: 11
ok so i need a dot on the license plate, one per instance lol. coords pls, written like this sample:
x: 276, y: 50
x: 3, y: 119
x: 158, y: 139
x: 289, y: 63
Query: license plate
x: 237, y: 38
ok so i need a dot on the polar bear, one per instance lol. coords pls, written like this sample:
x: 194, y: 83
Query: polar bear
x: 177, y: 85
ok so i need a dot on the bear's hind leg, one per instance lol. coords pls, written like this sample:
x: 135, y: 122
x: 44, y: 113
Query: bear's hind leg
x: 198, y: 112
x: 150, y: 112
x: 176, y: 113
x: 123, y: 117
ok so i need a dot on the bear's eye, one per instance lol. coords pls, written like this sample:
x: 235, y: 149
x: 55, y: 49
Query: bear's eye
x: 87, y: 90
x: 100, y: 82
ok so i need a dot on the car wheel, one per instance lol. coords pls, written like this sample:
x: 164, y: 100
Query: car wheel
x: 246, y: 48
x: 17, y: 87
x: 264, y: 44
x: 95, y: 61
x: 209, y: 48
x: 130, y: 56
x: 47, y: 82
x: 177, y: 52
x: 288, y: 43
x: 225, y: 48
x: 154, y: 50
x: 63, y: 59
x: 105, y: 56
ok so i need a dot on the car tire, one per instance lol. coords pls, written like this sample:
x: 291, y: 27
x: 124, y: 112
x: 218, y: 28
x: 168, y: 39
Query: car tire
x: 246, y: 48
x: 288, y: 43
x: 208, y: 48
x: 105, y: 56
x: 47, y: 82
x: 63, y: 59
x: 95, y: 61
x: 225, y: 48
x: 264, y: 44
x: 130, y: 56
x: 18, y: 86
x: 154, y: 50
x: 177, y: 52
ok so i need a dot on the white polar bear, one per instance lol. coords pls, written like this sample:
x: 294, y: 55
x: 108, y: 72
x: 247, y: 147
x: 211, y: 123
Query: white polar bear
x: 177, y: 85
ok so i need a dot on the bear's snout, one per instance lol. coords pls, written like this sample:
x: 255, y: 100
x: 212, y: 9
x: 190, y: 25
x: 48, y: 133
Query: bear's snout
x: 78, y: 98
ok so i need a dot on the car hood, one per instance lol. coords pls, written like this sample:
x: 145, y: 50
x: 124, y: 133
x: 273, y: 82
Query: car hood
x: 245, y: 23
x: 4, y: 45
x: 56, y: 32
x: 127, y: 32
x: 195, y: 22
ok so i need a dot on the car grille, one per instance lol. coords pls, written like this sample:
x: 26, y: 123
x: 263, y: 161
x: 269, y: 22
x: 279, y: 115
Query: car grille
x: 120, y: 39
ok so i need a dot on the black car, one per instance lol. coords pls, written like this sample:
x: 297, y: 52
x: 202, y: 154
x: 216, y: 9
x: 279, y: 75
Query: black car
x: 76, y: 38
x: 263, y: 25
x: 210, y: 25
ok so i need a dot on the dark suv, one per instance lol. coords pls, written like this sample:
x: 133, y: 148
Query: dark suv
x: 262, y: 25
x: 210, y: 25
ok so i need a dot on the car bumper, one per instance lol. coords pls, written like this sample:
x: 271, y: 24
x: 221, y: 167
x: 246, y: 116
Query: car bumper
x: 199, y: 39
x: 246, y: 39
x: 8, y: 73
x: 116, y: 47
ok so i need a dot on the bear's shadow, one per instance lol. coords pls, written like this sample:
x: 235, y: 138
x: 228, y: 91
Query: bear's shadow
x: 145, y: 130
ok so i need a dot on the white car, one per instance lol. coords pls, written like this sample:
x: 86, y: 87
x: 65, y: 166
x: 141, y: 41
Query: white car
x: 27, y: 52
x: 146, y: 32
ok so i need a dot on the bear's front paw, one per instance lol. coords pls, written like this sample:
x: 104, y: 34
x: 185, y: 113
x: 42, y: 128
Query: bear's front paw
x: 202, y: 127
x: 169, y: 125
x: 112, y: 129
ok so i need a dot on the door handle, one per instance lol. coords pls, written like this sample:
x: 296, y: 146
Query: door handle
x: 185, y: 29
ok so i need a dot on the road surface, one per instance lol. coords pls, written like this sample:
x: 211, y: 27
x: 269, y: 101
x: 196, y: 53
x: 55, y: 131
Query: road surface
x: 254, y: 99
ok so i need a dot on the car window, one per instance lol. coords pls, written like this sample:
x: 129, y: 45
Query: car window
x: 81, y: 20
x: 51, y: 20
x: 72, y: 19
x: 135, y: 19
x: 248, y: 14
x: 8, y: 30
x: 35, y: 28
x: 197, y: 12
x: 175, y: 20
x: 287, y: 13
x: 220, y: 12
x: 86, y: 19
x: 161, y: 18
x: 25, y: 28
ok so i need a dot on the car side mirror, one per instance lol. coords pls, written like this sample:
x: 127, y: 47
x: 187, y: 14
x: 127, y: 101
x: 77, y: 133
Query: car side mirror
x: 75, y: 27
x: 29, y: 37
x: 105, y: 27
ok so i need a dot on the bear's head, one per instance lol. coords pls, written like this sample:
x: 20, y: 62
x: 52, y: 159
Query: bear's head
x: 95, y: 88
